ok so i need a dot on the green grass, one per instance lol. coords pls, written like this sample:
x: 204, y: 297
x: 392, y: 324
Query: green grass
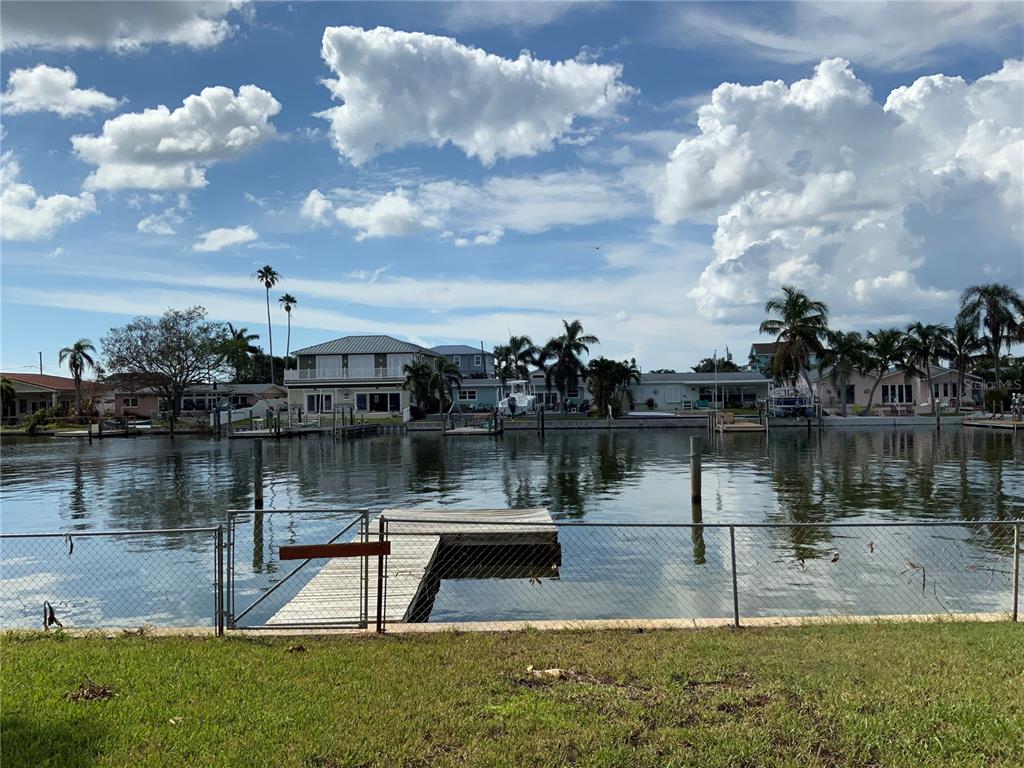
x: 841, y: 695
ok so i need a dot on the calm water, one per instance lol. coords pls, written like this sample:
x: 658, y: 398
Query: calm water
x: 636, y: 476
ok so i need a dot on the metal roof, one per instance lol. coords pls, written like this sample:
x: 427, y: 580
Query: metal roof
x: 459, y: 349
x: 764, y: 348
x: 363, y: 345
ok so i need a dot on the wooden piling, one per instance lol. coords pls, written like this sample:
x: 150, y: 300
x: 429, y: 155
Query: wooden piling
x: 695, y: 470
x: 257, y: 473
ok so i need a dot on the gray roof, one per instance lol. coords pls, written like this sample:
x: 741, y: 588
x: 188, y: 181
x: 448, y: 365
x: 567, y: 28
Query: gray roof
x: 251, y: 389
x: 764, y: 348
x: 458, y: 349
x: 362, y: 345
x: 724, y: 377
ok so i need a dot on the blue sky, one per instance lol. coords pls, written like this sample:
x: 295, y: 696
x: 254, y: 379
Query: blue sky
x: 872, y: 154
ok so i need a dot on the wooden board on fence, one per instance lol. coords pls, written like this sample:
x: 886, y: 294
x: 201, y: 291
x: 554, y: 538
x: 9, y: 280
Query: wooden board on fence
x: 334, y: 594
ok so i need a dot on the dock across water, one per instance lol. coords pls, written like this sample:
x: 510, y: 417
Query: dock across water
x: 426, y: 546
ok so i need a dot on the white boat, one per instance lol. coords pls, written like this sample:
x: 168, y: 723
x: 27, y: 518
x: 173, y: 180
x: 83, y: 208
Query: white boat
x: 519, y: 397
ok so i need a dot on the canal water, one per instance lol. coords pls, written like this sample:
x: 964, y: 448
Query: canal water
x: 867, y: 475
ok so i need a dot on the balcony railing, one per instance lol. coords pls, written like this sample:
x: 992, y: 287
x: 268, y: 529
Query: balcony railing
x: 334, y: 374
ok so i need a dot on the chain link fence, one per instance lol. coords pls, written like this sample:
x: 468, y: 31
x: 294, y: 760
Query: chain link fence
x: 269, y: 569
x: 169, y: 577
x: 444, y: 572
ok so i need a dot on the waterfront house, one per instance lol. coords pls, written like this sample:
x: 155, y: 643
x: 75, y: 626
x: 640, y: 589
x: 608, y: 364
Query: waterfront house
x: 124, y: 399
x: 897, y: 392
x: 763, y: 353
x: 362, y: 372
x: 474, y: 363
x: 34, y: 391
x: 688, y: 390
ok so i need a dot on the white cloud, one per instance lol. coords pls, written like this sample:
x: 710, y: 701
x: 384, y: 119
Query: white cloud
x: 489, y: 14
x: 818, y: 184
x: 482, y: 213
x: 156, y: 224
x: 118, y: 26
x: 393, y: 215
x: 49, y: 89
x: 887, y: 35
x: 402, y: 88
x: 160, y: 149
x: 225, y: 237
x: 27, y: 215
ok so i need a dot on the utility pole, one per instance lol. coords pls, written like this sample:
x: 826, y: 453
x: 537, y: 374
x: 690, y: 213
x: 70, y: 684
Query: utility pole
x: 715, y: 358
x: 40, y: 363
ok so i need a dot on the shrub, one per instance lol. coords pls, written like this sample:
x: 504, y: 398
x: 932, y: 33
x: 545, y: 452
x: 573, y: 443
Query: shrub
x: 651, y: 404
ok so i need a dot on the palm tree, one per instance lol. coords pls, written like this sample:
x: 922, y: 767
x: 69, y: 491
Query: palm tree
x: 79, y: 356
x: 238, y: 349
x: 288, y: 301
x: 442, y: 375
x: 801, y: 324
x: 268, y: 277
x: 564, y: 351
x: 884, y: 350
x: 1000, y: 311
x: 523, y: 355
x: 8, y: 393
x: 925, y: 346
x: 504, y: 368
x: 845, y: 356
x: 965, y: 345
x: 417, y: 380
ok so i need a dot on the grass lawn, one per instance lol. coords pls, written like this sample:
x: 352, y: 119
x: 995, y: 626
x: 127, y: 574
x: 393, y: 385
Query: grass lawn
x: 840, y: 695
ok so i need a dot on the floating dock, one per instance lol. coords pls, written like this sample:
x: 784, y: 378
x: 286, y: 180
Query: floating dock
x: 503, y: 543
x: 995, y: 424
x: 472, y: 431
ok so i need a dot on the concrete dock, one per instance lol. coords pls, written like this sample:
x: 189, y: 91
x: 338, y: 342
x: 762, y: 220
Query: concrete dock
x: 426, y: 546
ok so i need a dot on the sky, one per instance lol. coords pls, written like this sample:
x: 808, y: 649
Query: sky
x: 460, y: 172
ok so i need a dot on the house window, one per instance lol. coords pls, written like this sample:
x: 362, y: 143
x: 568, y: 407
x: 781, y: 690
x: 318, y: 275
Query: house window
x: 945, y: 389
x: 467, y: 394
x: 344, y: 363
x: 476, y: 361
x: 130, y: 402
x: 572, y: 392
x: 935, y: 389
x: 380, y: 362
x: 458, y: 361
x: 319, y: 403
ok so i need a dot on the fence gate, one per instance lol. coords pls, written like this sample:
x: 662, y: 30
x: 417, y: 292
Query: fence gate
x: 298, y: 568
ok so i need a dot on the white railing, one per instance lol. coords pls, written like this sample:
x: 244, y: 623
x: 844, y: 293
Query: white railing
x: 326, y: 374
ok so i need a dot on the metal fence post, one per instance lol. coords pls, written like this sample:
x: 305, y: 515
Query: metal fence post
x: 219, y: 584
x: 380, y: 581
x: 1016, y: 569
x: 735, y: 590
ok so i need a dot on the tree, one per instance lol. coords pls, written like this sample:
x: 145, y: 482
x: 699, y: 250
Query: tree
x: 846, y: 354
x: 799, y: 327
x: 925, y: 346
x: 523, y: 353
x: 609, y: 382
x: 964, y: 346
x: 8, y: 394
x: 564, y: 351
x: 1000, y: 311
x: 170, y: 354
x: 417, y: 381
x: 708, y: 365
x: 664, y: 370
x: 443, y: 374
x: 268, y: 277
x: 288, y: 301
x: 79, y: 356
x: 884, y: 349
x: 239, y: 350
x: 504, y: 365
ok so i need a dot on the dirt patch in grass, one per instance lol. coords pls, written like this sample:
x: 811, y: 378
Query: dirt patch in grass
x: 90, y: 691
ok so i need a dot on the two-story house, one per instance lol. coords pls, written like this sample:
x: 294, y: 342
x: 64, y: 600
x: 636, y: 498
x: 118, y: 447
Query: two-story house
x: 364, y: 372
x: 473, y: 362
x: 763, y: 353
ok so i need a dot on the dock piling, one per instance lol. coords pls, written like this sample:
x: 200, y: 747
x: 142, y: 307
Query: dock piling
x: 257, y: 473
x: 695, y: 470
